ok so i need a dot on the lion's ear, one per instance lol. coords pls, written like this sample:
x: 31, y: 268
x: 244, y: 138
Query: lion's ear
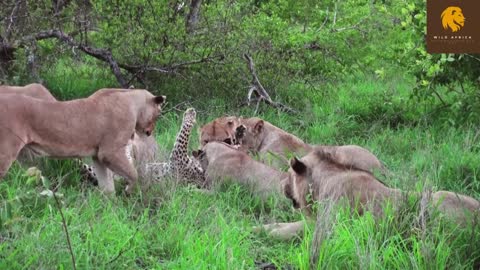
x: 159, y: 99
x: 258, y: 127
x: 298, y: 166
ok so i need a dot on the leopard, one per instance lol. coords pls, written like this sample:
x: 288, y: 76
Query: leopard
x: 179, y: 165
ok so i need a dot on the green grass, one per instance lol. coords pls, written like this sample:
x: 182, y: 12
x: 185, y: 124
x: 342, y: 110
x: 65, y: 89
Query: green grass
x: 177, y: 227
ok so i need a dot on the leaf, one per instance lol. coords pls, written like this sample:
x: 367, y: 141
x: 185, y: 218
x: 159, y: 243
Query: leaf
x: 45, y: 182
x: 49, y: 193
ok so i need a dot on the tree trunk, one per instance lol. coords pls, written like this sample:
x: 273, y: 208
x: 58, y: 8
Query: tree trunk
x: 193, y: 16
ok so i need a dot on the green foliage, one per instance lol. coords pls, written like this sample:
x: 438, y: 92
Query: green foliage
x: 350, y: 67
x: 451, y: 79
x: 175, y: 227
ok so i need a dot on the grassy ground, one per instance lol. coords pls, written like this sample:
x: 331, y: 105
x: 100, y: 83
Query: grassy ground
x: 177, y: 227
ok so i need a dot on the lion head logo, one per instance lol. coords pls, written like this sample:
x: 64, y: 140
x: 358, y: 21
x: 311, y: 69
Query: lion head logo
x: 452, y: 17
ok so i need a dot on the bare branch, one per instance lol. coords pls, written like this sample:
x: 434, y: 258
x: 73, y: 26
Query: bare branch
x: 105, y: 55
x: 167, y: 69
x: 11, y: 19
x: 255, y: 81
x: 262, y: 94
x: 101, y: 54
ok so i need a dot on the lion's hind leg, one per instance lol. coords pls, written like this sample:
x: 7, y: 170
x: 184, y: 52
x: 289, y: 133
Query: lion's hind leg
x: 104, y: 176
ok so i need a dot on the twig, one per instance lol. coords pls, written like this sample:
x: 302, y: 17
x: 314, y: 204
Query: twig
x: 324, y: 22
x: 255, y: 81
x: 65, y: 228
x: 120, y: 253
x: 176, y: 107
x: 8, y: 32
x: 472, y: 56
x: 335, y: 15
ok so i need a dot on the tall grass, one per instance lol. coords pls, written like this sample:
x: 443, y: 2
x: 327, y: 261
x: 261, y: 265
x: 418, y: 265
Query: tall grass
x: 177, y: 227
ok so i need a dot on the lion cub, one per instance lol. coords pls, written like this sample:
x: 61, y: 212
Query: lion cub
x: 99, y: 126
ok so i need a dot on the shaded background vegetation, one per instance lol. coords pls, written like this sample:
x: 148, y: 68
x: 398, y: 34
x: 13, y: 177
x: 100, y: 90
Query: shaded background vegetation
x: 193, y: 49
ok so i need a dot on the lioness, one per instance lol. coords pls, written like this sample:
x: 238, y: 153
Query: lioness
x: 320, y: 177
x: 262, y: 137
x: 34, y: 90
x: 144, y: 148
x: 219, y: 130
x: 99, y: 126
x: 221, y: 161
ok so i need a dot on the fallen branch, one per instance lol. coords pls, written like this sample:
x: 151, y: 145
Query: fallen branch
x: 262, y: 94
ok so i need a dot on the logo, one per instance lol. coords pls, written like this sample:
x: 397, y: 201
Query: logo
x: 452, y: 17
x: 453, y: 26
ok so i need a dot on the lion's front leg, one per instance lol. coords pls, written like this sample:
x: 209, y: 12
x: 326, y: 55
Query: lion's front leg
x: 117, y: 161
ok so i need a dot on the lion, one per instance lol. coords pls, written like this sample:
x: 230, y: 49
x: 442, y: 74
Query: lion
x: 144, y: 148
x: 220, y: 130
x: 259, y: 136
x: 34, y: 90
x: 452, y: 17
x: 222, y: 161
x: 99, y: 126
x: 327, y: 178
x: 320, y: 177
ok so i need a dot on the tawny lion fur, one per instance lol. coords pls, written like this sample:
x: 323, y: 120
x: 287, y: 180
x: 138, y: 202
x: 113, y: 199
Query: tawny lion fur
x: 219, y: 130
x: 144, y: 148
x: 34, y: 90
x: 262, y: 137
x: 222, y: 161
x: 320, y: 177
x: 99, y: 126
